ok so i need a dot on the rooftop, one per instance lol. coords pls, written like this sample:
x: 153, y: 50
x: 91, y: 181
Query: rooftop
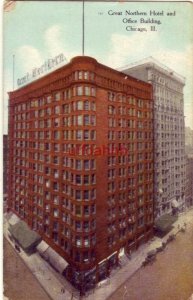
x: 153, y: 63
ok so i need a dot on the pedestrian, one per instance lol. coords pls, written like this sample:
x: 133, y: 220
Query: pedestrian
x: 62, y: 290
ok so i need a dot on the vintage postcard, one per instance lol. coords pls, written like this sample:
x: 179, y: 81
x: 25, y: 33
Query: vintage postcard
x: 98, y: 150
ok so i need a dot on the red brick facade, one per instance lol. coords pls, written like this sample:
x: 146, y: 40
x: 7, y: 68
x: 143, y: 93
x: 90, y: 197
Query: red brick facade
x: 65, y: 180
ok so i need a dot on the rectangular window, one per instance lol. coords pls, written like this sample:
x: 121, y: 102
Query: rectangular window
x: 86, y: 195
x: 80, y: 75
x: 56, y: 122
x: 79, y: 90
x: 93, y: 164
x: 57, y: 96
x: 86, y: 120
x: 93, y: 91
x: 85, y: 75
x: 57, y: 109
x: 78, y: 179
x: 56, y: 212
x: 56, y: 160
x: 86, y: 210
x: 79, y: 134
x: 78, y: 225
x: 86, y: 134
x: 86, y: 179
x: 87, y: 91
x: 78, y: 195
x: 78, y: 165
x: 56, y: 147
x: 92, y: 120
x: 79, y: 120
x: 56, y: 199
x: 55, y: 186
x: 48, y: 99
x: 86, y: 164
x: 86, y: 105
x: 78, y: 241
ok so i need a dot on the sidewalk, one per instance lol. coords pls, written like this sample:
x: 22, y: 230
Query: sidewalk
x: 53, y: 282
x: 129, y: 267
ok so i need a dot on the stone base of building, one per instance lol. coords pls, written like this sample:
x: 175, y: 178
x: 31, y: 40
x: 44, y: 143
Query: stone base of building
x: 87, y: 280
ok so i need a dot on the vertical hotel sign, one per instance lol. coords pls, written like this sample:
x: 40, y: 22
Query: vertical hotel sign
x: 49, y: 64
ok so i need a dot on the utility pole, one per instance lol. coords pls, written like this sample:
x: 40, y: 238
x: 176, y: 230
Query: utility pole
x: 13, y: 71
x: 83, y: 27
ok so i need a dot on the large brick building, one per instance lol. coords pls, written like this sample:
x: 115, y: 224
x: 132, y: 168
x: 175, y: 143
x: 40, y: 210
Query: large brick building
x: 5, y: 162
x: 81, y: 164
x: 5, y: 167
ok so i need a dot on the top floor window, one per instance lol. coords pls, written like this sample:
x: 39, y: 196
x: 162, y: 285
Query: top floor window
x: 57, y: 96
x: 85, y: 75
x: 48, y: 99
x: 80, y: 75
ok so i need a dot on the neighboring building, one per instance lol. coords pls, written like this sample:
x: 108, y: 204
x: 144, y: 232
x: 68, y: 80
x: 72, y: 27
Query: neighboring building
x: 189, y: 181
x: 169, y: 133
x: 5, y: 165
x: 81, y: 164
x: 189, y: 140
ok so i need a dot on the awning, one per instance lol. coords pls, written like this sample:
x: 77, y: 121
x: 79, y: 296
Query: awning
x: 55, y: 260
x: 24, y: 236
x: 42, y: 247
x: 175, y: 203
x: 164, y: 223
x: 13, y: 219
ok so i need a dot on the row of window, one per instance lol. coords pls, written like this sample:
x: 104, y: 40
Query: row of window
x: 127, y: 229
x: 67, y: 147
x: 81, y: 90
x: 58, y: 109
x: 129, y: 100
x: 77, y: 210
x: 76, y: 164
x: 112, y: 110
x: 114, y: 122
x: 123, y: 185
x: 76, y: 120
x: 57, y: 135
x: 79, y: 75
x: 125, y: 135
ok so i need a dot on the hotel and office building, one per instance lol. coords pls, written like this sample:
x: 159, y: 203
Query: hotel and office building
x: 189, y: 141
x: 81, y: 164
x: 169, y: 133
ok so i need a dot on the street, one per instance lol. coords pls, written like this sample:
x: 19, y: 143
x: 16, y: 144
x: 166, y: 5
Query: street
x: 19, y: 282
x: 168, y: 278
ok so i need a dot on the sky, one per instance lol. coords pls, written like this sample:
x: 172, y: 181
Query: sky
x: 36, y: 31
